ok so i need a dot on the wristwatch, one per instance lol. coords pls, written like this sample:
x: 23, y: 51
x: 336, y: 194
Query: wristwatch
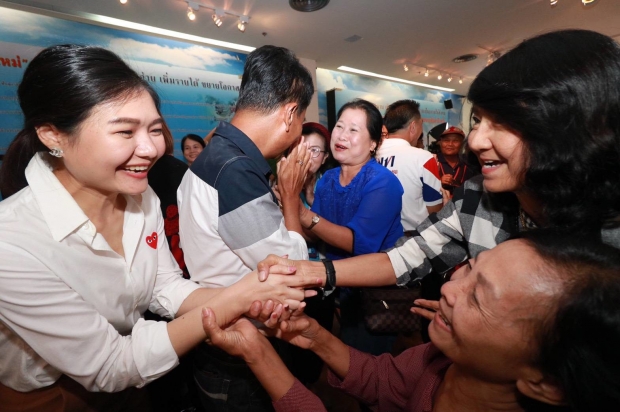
x: 315, y: 220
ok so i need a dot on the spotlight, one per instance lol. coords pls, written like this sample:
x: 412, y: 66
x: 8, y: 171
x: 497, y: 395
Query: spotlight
x: 123, y: 1
x: 449, y: 78
x: 243, y: 20
x: 217, y: 17
x: 190, y: 14
x: 460, y: 80
x: 439, y: 76
x: 553, y: 2
x: 405, y: 68
x: 426, y: 73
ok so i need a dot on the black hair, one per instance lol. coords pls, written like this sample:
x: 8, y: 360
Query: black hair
x: 61, y: 86
x: 559, y: 93
x: 578, y: 342
x: 194, y: 137
x: 374, y: 121
x: 273, y: 77
x: 400, y: 114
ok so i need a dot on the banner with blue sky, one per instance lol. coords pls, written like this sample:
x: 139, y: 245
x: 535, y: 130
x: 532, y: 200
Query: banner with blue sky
x: 198, y: 85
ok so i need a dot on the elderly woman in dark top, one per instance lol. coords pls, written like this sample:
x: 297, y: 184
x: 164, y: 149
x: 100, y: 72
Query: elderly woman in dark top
x: 531, y: 324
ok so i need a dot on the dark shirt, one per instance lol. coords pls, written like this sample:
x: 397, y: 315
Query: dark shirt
x: 164, y: 178
x: 460, y: 173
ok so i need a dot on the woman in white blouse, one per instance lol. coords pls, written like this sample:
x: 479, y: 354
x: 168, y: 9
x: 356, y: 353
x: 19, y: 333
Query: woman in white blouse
x: 83, y: 252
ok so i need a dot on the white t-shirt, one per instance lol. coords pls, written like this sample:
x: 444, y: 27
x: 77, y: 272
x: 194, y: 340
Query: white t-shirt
x: 418, y: 173
x: 71, y: 305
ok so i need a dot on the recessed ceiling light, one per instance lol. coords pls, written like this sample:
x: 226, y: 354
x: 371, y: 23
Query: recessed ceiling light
x: 465, y: 58
x: 307, y: 5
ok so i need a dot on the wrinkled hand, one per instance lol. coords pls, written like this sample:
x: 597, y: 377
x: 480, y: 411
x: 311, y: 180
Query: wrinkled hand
x: 241, y: 338
x: 300, y: 330
x: 425, y: 308
x: 271, y: 314
x: 293, y: 170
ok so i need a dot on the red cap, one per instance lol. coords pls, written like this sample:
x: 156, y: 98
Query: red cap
x: 453, y: 130
x: 322, y: 130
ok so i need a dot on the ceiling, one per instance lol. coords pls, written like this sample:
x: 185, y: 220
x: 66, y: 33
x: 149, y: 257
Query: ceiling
x: 422, y: 33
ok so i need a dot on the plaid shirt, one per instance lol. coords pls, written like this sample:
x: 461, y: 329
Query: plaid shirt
x: 472, y: 222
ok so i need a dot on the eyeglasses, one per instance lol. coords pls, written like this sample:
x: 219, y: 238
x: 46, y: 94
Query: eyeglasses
x: 316, y: 151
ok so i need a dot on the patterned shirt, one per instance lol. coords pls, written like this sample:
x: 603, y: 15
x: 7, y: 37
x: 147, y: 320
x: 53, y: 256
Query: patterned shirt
x: 472, y: 222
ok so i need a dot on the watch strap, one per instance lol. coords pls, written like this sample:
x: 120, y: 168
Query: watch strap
x: 330, y: 279
x: 315, y: 220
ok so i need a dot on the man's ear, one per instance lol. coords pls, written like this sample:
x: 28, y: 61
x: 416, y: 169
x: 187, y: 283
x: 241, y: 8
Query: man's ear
x: 535, y: 385
x: 290, y: 110
x: 50, y: 136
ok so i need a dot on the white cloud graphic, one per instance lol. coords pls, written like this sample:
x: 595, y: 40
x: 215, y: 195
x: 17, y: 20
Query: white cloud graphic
x: 435, y: 97
x: 327, y: 81
x: 192, y: 57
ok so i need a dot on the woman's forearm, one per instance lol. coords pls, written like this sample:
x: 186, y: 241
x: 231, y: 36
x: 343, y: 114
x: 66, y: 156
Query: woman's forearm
x: 374, y: 269
x: 186, y: 330
x: 331, y: 233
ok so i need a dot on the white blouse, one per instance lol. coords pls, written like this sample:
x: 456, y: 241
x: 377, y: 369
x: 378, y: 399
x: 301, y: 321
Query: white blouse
x: 71, y: 305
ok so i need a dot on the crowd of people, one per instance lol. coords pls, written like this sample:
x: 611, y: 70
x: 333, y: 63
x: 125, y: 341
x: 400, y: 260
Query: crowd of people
x: 95, y: 239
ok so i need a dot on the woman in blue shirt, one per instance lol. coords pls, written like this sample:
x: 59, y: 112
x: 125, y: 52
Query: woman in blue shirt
x: 357, y: 207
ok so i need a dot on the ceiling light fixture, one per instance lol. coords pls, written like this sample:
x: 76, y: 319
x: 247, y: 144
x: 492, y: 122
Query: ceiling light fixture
x: 586, y: 2
x: 243, y: 21
x: 426, y: 73
x: 439, y: 76
x: 553, y: 2
x: 405, y: 67
x: 217, y: 17
x: 393, y: 79
x: 191, y: 6
x: 449, y: 79
x: 123, y: 1
x: 218, y: 14
x: 460, y: 80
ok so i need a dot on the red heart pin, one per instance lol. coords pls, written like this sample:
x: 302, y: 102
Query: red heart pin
x: 152, y: 240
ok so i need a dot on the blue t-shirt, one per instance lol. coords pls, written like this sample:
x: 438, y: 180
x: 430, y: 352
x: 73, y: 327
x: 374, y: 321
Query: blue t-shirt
x: 370, y: 206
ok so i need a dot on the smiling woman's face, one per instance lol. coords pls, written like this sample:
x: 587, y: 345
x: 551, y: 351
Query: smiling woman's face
x: 490, y: 309
x: 351, y: 143
x: 501, y: 153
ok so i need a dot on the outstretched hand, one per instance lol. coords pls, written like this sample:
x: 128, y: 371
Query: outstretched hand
x: 300, y: 330
x: 425, y: 308
x: 241, y: 338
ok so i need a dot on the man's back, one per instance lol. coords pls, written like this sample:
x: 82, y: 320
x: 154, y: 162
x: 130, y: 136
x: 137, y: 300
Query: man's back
x: 229, y: 220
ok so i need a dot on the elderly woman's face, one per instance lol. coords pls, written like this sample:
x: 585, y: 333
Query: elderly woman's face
x: 501, y: 153
x: 351, y: 143
x: 490, y: 308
